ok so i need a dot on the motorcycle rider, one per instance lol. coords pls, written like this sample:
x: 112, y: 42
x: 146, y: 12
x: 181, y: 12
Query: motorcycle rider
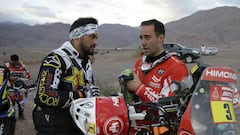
x: 155, y: 69
x: 17, y: 70
x: 63, y: 77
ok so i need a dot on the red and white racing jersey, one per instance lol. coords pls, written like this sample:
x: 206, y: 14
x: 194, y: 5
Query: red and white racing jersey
x: 156, y: 81
x: 18, y: 70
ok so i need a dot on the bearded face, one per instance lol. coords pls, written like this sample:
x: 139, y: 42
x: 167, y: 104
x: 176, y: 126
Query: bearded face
x: 87, y: 44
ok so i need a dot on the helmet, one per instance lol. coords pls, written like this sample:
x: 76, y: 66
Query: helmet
x: 14, y: 57
x: 18, y: 84
x: 101, y: 115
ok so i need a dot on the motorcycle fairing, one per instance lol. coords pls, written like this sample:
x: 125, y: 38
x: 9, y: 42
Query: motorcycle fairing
x: 101, y: 115
x: 236, y: 99
x: 211, y: 111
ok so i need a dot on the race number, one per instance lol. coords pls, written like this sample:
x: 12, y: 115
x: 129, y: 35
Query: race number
x: 222, y: 112
x: 221, y: 104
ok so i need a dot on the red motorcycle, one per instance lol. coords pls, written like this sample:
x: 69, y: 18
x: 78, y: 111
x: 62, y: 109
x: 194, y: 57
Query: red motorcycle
x: 203, y: 105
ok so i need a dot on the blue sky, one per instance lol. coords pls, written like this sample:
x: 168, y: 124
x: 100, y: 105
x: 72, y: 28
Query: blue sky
x: 127, y: 12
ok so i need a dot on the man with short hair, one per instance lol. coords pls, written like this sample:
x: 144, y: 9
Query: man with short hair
x: 63, y: 78
x: 155, y: 69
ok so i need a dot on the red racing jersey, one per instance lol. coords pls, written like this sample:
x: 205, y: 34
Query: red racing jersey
x: 18, y: 70
x: 157, y: 78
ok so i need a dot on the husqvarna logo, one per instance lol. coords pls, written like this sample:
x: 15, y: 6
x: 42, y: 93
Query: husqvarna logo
x: 113, y: 126
x: 222, y: 74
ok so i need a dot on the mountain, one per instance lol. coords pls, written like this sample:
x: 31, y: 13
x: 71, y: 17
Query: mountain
x: 54, y: 34
x: 38, y: 36
x: 218, y: 27
x: 117, y: 35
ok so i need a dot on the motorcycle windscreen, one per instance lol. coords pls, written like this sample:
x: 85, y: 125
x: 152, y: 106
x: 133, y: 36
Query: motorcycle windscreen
x: 212, y: 102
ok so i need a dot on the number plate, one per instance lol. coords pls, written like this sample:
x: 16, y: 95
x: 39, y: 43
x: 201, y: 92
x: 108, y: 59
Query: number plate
x: 221, y: 104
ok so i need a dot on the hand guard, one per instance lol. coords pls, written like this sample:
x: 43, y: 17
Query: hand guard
x: 126, y: 75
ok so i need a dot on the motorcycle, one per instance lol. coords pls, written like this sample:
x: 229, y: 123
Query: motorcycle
x: 18, y: 93
x: 21, y: 87
x: 202, y: 105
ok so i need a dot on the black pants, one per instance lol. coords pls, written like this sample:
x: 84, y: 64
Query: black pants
x: 54, y: 122
x: 7, y: 125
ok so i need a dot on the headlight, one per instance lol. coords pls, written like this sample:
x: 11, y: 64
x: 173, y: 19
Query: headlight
x: 195, y: 51
x: 198, y: 127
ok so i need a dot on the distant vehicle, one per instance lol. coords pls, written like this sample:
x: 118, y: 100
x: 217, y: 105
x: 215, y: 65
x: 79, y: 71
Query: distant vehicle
x: 118, y: 49
x: 183, y: 52
x: 210, y: 51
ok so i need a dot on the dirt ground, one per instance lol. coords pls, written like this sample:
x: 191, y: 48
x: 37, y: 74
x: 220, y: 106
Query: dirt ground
x: 108, y: 65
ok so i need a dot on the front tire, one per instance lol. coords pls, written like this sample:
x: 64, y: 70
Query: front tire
x: 188, y: 58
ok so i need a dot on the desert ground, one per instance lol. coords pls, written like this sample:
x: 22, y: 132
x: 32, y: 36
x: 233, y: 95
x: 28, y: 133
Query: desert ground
x: 107, y: 66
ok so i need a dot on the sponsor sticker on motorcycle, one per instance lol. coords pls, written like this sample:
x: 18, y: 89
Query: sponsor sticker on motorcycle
x: 113, y: 125
x: 221, y: 104
x: 220, y: 75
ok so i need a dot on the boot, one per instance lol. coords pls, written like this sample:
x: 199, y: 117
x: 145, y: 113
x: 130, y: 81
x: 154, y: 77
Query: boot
x: 21, y: 109
x: 21, y: 116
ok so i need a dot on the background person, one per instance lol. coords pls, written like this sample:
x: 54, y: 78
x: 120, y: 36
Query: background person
x: 63, y: 78
x: 203, y: 47
x: 17, y: 70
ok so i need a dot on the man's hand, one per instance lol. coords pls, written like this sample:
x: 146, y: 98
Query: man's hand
x: 133, y: 84
x: 12, y: 78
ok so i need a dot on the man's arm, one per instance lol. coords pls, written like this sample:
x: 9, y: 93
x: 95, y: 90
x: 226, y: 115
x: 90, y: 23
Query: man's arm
x: 49, y: 92
x: 146, y: 93
x: 28, y: 74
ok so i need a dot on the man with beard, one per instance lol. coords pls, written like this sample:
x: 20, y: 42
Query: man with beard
x: 63, y: 77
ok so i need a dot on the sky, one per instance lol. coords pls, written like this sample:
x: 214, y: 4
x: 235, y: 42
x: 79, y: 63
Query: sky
x: 126, y: 12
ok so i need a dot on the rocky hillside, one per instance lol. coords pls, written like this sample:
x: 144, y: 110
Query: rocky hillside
x: 215, y: 27
x: 218, y: 27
